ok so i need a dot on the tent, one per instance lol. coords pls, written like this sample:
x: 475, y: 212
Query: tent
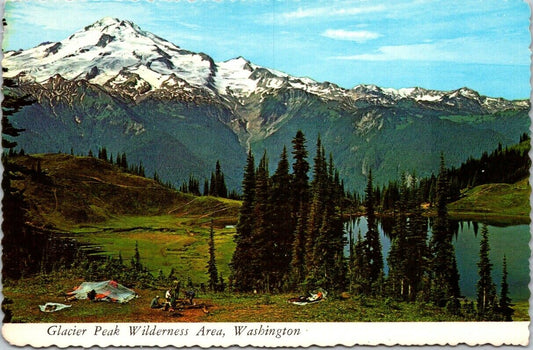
x: 103, y: 291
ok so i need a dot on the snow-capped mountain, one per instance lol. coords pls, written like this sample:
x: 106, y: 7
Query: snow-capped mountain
x: 113, y: 84
x: 105, y: 49
x: 118, y: 54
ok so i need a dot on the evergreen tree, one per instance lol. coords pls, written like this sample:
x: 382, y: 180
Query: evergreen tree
x: 102, y: 154
x: 124, y: 161
x: 505, y: 302
x: 136, y: 259
x: 372, y: 243
x: 358, y: 267
x: 206, y: 188
x: 262, y: 242
x: 486, y: 290
x: 212, y: 271
x: 300, y: 206
x: 300, y: 183
x: 283, y: 225
x: 213, y: 185
x: 220, y: 184
x: 444, y: 273
x: 417, y: 254
x: 242, y: 274
x: 16, y: 234
x: 316, y: 211
x: 398, y: 254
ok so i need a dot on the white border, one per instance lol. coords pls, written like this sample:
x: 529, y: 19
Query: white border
x: 317, y: 334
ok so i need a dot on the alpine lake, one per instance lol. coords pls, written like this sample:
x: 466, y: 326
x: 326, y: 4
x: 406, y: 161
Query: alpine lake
x: 505, y: 238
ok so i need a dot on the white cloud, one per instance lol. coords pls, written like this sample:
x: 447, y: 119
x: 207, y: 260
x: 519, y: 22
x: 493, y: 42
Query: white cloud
x: 459, y: 50
x: 329, y: 12
x: 359, y: 36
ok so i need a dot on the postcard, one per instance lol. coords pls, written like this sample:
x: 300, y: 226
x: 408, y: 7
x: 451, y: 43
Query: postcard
x: 265, y: 173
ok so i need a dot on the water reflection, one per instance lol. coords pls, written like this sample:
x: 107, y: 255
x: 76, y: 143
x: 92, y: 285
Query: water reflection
x: 511, y: 240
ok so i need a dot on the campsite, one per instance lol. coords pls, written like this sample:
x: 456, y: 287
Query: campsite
x: 98, y: 234
x: 225, y: 307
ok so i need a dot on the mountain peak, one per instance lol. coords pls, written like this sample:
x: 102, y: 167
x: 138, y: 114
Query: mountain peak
x: 105, y: 21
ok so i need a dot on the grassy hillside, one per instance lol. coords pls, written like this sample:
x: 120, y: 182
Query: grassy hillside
x: 70, y: 191
x: 98, y: 204
x: 495, y: 200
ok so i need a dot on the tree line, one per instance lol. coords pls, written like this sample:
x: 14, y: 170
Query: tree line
x: 502, y: 165
x: 290, y: 231
x: 291, y: 236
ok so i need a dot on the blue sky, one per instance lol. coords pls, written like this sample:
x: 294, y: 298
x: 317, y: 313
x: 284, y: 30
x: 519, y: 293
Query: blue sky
x: 436, y: 44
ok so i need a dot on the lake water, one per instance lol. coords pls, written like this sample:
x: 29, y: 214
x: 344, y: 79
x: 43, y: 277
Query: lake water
x: 513, y: 241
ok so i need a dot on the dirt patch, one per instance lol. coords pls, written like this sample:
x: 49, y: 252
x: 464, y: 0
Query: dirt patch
x: 25, y: 309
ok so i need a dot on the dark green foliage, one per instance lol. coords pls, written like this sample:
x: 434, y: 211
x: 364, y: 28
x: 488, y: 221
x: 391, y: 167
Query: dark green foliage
x: 212, y: 271
x: 372, y: 243
x: 279, y: 245
x: 283, y: 221
x: 217, y: 185
x: 192, y: 186
x: 300, y: 206
x: 206, y: 188
x: 262, y: 240
x: 11, y: 105
x: 242, y: 274
x: 399, y: 251
x: 417, y: 251
x: 503, y: 165
x: 102, y: 154
x: 136, y: 259
x: 17, y: 241
x: 444, y: 273
x: 505, y: 302
x: 486, y: 290
x: 325, y: 234
x: 358, y: 272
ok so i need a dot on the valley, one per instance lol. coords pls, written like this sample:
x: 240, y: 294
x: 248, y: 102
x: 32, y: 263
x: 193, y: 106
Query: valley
x: 113, y: 84
x: 170, y: 231
x: 362, y: 204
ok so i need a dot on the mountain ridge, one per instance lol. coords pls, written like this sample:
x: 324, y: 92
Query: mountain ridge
x: 112, y: 75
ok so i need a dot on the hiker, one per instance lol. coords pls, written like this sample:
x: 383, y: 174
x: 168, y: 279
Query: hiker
x: 71, y: 297
x: 155, y: 303
x: 190, y: 296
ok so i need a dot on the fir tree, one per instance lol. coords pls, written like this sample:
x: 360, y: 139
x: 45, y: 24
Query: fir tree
x: 212, y: 271
x: 505, y: 302
x: 417, y: 254
x: 14, y: 207
x: 213, y: 185
x: 206, y: 188
x: 398, y: 254
x: 283, y: 225
x: 242, y: 275
x: 136, y: 259
x: 316, y: 209
x: 300, y: 183
x: 444, y: 273
x: 300, y: 206
x: 220, y: 184
x: 358, y: 267
x: 486, y: 290
x: 372, y: 244
x: 262, y: 242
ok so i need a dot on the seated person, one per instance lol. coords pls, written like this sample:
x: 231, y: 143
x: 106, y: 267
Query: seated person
x: 155, y: 303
